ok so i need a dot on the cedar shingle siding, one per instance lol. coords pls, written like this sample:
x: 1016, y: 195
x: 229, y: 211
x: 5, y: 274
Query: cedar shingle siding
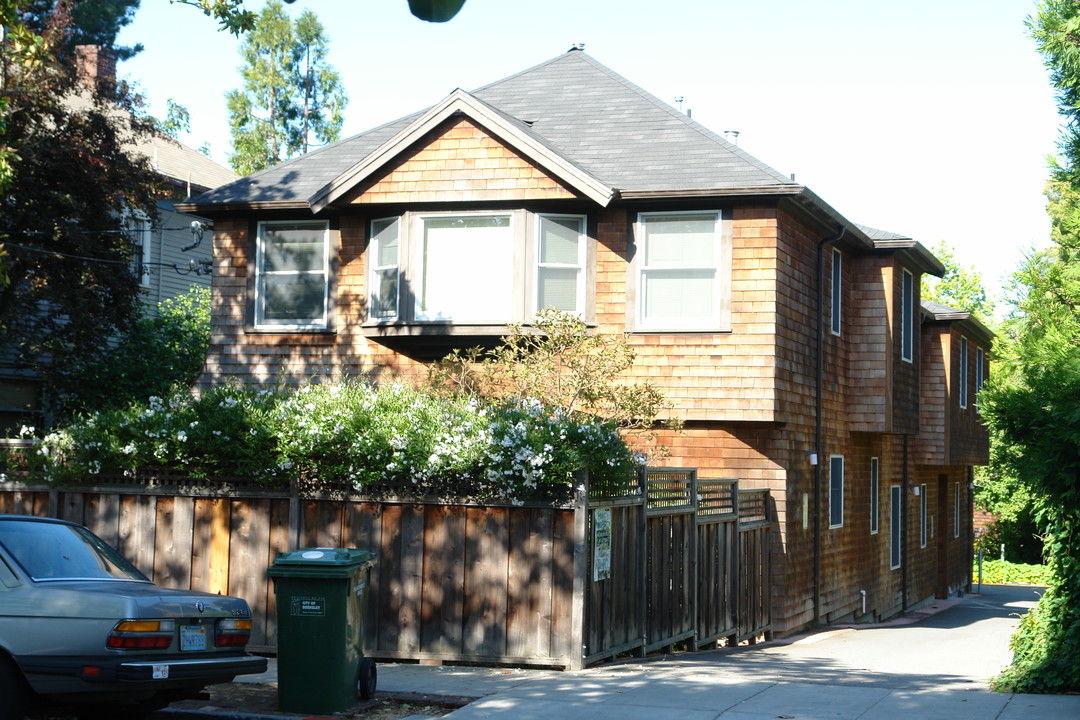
x: 570, y: 136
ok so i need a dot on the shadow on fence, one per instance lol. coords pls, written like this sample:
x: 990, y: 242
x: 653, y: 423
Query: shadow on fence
x: 665, y: 559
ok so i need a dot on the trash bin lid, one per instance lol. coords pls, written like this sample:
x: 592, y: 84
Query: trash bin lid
x: 336, y: 557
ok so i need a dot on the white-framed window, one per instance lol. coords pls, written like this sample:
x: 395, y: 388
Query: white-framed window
x: 836, y: 491
x: 384, y: 268
x: 896, y: 531
x: 681, y: 271
x: 963, y: 372
x: 956, y: 509
x: 292, y: 275
x: 923, y: 516
x: 907, y: 317
x: 561, y: 245
x: 476, y: 268
x: 463, y: 268
x: 875, y: 482
x: 837, y: 298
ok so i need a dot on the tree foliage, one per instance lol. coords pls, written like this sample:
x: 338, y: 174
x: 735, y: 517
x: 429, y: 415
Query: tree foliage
x: 93, y: 22
x: 155, y: 354
x: 1032, y: 406
x: 291, y: 98
x: 233, y: 17
x: 71, y: 181
x: 559, y: 362
x: 961, y: 287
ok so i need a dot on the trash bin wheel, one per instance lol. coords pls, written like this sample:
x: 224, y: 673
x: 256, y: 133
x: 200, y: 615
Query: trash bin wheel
x: 369, y: 678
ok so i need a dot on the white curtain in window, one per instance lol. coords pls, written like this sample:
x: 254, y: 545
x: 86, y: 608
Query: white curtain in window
x: 559, y: 269
x: 678, y: 278
x: 292, y: 274
x: 467, y: 269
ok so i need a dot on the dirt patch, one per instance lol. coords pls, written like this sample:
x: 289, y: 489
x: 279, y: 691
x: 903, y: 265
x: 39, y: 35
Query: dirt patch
x: 252, y: 699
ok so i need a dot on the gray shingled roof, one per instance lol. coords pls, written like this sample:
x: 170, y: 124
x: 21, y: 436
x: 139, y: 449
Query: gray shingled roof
x: 606, y: 125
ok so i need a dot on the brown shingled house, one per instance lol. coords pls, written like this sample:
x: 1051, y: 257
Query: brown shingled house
x: 791, y: 340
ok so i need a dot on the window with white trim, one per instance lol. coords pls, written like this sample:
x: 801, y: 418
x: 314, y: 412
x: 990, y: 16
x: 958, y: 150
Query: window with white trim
x: 681, y: 271
x: 560, y: 263
x: 896, y: 519
x: 874, y: 498
x: 836, y: 491
x: 384, y: 268
x: 963, y: 372
x: 837, y: 289
x: 292, y: 275
x: 907, y: 317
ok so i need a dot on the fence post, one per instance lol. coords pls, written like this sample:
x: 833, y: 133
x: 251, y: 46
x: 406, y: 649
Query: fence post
x: 582, y: 546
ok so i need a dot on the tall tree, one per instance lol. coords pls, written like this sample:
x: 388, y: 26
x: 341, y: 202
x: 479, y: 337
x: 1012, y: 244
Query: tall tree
x: 72, y: 179
x: 1032, y: 406
x: 292, y: 97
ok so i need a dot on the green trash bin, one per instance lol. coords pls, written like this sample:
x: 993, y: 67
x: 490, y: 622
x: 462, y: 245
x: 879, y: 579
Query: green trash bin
x: 321, y: 599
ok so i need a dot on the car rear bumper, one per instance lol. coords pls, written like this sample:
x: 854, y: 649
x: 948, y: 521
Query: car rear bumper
x: 81, y: 674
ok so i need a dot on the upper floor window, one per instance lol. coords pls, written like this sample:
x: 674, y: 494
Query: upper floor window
x: 907, y: 317
x: 837, y: 287
x: 475, y: 268
x: 963, y: 372
x: 384, y: 268
x: 292, y: 275
x: 681, y: 272
x: 560, y: 263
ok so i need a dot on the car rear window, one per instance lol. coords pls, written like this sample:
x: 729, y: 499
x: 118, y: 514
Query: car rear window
x: 51, y: 551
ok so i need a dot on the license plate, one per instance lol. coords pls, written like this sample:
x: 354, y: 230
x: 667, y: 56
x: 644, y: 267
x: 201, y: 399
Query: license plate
x: 192, y: 638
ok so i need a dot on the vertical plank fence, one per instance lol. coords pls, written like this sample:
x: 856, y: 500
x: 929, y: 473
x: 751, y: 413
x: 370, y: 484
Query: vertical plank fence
x: 666, y: 559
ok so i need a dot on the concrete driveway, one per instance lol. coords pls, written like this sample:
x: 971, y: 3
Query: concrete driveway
x: 934, y: 664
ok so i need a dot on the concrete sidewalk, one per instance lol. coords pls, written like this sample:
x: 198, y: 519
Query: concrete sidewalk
x: 931, y: 665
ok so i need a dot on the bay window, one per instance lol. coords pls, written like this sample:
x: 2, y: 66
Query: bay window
x: 477, y: 268
x: 292, y: 275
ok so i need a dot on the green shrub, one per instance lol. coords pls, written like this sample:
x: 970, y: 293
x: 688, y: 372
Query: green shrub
x: 1002, y: 571
x: 351, y: 435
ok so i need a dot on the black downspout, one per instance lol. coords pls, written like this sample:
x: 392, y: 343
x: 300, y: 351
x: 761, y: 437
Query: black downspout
x: 819, y: 431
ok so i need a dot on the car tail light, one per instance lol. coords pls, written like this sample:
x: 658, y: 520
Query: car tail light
x: 232, y: 632
x: 142, y: 635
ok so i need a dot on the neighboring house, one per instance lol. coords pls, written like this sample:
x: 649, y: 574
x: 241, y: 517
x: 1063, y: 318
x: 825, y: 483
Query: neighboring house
x: 164, y: 262
x: 790, y: 339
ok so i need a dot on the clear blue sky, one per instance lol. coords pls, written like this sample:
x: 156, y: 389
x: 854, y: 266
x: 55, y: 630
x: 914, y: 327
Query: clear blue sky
x: 931, y: 118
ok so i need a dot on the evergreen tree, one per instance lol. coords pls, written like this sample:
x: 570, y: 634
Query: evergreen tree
x: 1032, y: 405
x: 292, y: 98
x: 93, y: 22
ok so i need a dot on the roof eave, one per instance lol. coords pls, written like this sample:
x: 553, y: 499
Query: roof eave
x: 915, y: 254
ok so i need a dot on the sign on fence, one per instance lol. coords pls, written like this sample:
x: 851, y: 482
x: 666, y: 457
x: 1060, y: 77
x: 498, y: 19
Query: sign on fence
x: 602, y: 544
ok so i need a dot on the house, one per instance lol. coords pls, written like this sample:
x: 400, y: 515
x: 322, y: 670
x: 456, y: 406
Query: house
x: 791, y: 340
x: 169, y: 260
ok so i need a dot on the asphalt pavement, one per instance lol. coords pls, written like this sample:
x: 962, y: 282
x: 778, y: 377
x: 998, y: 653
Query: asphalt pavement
x: 933, y: 664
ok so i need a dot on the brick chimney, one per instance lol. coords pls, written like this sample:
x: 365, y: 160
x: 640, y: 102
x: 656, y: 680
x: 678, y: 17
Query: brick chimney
x: 95, y: 68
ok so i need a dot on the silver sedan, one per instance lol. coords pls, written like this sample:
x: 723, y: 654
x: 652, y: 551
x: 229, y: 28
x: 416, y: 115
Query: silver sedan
x: 80, y: 626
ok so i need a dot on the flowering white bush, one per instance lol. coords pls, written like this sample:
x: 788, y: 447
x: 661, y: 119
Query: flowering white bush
x: 353, y: 434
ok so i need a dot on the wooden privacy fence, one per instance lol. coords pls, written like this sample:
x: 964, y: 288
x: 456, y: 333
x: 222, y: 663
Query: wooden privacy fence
x: 659, y: 561
x: 675, y: 568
